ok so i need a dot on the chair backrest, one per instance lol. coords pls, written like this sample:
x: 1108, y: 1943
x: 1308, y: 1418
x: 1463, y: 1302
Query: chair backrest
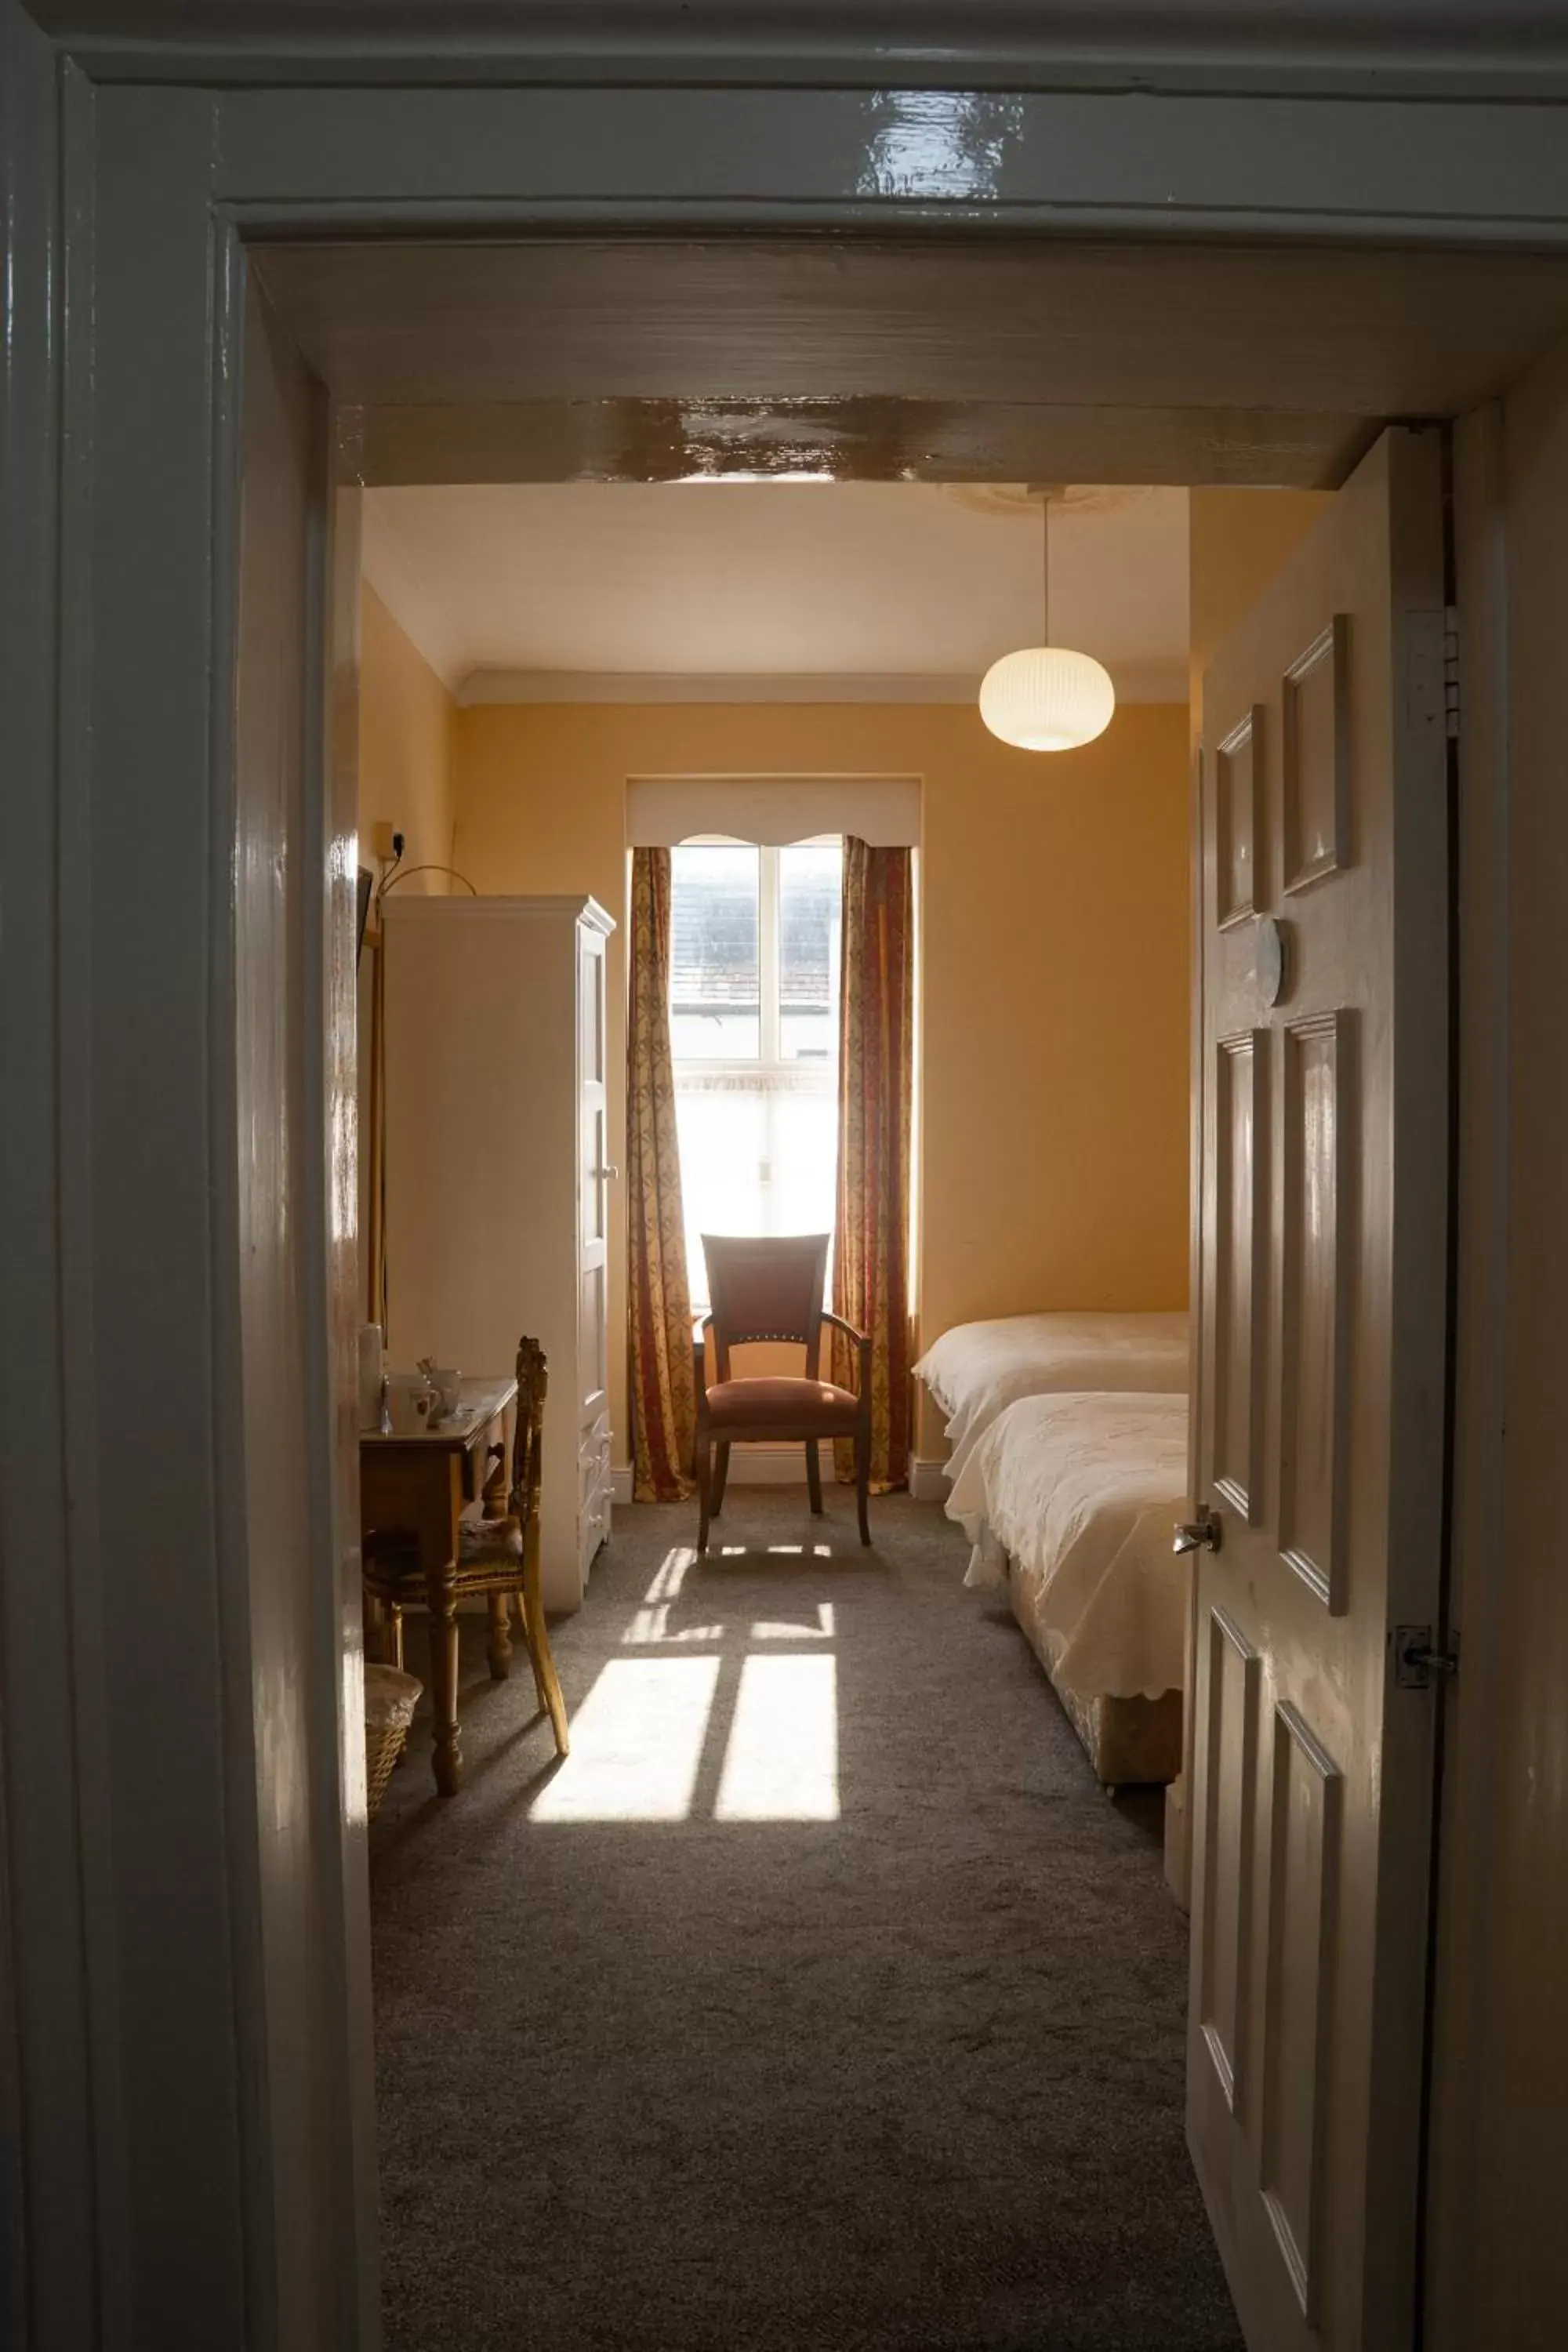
x: 766, y: 1288
x: 528, y: 1438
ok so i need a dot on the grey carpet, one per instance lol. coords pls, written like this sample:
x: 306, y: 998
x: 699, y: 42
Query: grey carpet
x: 911, y: 2078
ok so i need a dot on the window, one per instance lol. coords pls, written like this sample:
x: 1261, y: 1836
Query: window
x: 754, y: 950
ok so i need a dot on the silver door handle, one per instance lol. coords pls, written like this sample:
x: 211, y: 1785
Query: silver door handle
x: 1206, y: 1533
x: 608, y: 1173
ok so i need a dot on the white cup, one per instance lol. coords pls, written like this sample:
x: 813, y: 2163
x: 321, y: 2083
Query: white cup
x: 412, y: 1403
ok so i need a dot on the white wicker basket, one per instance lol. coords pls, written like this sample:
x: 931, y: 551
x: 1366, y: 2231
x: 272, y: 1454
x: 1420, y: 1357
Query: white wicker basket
x: 390, y: 1699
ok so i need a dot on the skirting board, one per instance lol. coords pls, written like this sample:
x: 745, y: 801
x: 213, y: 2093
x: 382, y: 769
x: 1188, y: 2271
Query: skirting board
x: 928, y: 1481
x: 784, y: 1465
x: 778, y: 1465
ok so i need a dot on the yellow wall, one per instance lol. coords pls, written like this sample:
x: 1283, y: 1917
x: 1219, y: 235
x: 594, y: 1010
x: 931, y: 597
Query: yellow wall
x: 1053, y: 1169
x: 406, y: 750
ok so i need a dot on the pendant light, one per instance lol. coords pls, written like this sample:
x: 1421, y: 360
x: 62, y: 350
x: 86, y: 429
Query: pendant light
x: 1045, y: 698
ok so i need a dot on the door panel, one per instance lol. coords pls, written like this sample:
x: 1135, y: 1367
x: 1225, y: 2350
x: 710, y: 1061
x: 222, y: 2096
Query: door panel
x: 1321, y: 1334
x: 1303, y: 1872
x: 1238, y: 816
x: 1315, y: 801
x: 1317, y: 1149
x: 1241, y: 1145
x: 1230, y: 1792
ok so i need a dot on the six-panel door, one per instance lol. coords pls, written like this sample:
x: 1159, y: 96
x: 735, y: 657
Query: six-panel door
x: 1320, y: 1307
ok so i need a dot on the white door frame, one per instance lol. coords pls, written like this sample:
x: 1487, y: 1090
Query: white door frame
x: 133, y: 1771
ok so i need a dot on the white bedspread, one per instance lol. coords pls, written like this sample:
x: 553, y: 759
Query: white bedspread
x: 1082, y: 1493
x: 977, y: 1369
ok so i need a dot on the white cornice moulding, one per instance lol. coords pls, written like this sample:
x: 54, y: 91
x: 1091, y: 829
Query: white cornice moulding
x: 384, y: 565
x: 1153, y: 681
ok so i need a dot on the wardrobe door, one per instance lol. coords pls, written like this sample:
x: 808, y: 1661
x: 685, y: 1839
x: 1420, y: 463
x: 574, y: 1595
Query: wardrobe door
x: 595, y: 1175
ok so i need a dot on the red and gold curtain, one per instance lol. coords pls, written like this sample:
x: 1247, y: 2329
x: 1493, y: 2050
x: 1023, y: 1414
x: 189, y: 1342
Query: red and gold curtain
x: 662, y: 1381
x: 876, y: 1085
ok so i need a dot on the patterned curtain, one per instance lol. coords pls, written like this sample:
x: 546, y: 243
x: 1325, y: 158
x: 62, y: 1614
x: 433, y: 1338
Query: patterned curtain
x: 662, y: 1382
x: 876, y: 1080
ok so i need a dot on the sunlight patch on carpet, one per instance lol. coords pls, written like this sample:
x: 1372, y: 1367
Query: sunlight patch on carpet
x: 649, y: 1625
x: 821, y: 1626
x: 781, y: 1761
x: 636, y: 1743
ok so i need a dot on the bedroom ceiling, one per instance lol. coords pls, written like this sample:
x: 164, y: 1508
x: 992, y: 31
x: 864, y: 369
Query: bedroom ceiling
x: 585, y: 591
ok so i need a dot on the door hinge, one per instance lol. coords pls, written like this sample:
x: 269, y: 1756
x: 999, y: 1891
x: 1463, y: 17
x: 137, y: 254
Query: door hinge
x: 1451, y: 672
x: 1416, y: 1662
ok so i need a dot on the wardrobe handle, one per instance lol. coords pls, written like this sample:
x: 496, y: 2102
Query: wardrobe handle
x: 608, y: 1173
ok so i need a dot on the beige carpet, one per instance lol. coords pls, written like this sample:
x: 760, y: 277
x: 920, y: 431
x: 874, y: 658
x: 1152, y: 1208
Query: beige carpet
x: 821, y: 1999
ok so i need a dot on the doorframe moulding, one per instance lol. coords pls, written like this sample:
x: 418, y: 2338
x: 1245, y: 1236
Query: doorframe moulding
x: 987, y: 45
x: 122, y: 379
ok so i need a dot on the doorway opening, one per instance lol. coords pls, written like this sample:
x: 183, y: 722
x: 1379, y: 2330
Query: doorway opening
x: 1237, y: 1165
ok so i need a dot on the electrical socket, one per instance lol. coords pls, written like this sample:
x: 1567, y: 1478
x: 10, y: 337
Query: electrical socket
x: 382, y: 838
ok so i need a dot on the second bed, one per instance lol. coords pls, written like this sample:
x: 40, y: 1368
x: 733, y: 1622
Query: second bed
x: 1068, y: 1466
x: 1068, y: 1501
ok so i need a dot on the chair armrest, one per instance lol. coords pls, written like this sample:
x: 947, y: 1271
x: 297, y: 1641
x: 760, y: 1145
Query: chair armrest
x: 700, y: 1364
x: 862, y: 1340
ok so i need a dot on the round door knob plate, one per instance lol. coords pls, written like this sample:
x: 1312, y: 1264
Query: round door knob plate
x: 1271, y: 963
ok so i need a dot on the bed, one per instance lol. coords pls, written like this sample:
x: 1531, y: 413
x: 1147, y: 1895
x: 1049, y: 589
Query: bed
x: 977, y: 1369
x: 1068, y: 1501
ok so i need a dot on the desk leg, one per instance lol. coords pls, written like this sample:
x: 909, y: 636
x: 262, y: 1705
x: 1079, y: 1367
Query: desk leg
x: 438, y: 1553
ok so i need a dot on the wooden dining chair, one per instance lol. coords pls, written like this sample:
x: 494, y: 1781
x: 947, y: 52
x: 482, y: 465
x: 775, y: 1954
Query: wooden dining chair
x: 498, y: 1557
x: 771, y: 1289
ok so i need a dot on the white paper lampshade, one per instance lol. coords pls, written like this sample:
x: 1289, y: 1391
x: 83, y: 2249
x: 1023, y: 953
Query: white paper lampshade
x: 1046, y: 698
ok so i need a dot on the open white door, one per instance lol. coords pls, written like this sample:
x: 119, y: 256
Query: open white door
x: 296, y: 1828
x: 1319, y: 1454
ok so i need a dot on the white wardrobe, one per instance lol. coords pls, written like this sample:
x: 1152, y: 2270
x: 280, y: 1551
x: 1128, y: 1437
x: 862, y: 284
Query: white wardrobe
x: 496, y: 1178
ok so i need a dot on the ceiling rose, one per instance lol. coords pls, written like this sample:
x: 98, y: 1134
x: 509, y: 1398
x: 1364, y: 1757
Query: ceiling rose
x: 1018, y: 501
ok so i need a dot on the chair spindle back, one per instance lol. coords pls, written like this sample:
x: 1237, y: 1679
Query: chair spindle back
x: 528, y: 1438
x: 766, y: 1288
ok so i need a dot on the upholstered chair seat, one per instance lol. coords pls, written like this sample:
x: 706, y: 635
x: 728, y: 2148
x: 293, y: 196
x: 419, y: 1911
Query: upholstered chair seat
x: 814, y: 1408
x: 488, y: 1543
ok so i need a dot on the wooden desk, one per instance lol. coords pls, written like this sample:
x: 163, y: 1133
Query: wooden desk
x: 419, y: 1485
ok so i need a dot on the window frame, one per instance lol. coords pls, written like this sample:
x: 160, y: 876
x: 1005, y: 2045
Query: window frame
x: 768, y: 1064
x: 769, y: 1058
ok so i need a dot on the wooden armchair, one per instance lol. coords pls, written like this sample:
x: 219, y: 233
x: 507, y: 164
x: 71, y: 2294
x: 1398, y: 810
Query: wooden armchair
x: 771, y: 1289
x: 498, y: 1557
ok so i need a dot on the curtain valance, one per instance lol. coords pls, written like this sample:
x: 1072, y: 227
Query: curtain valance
x: 662, y: 811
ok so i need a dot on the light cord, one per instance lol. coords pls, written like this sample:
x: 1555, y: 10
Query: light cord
x: 404, y: 872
